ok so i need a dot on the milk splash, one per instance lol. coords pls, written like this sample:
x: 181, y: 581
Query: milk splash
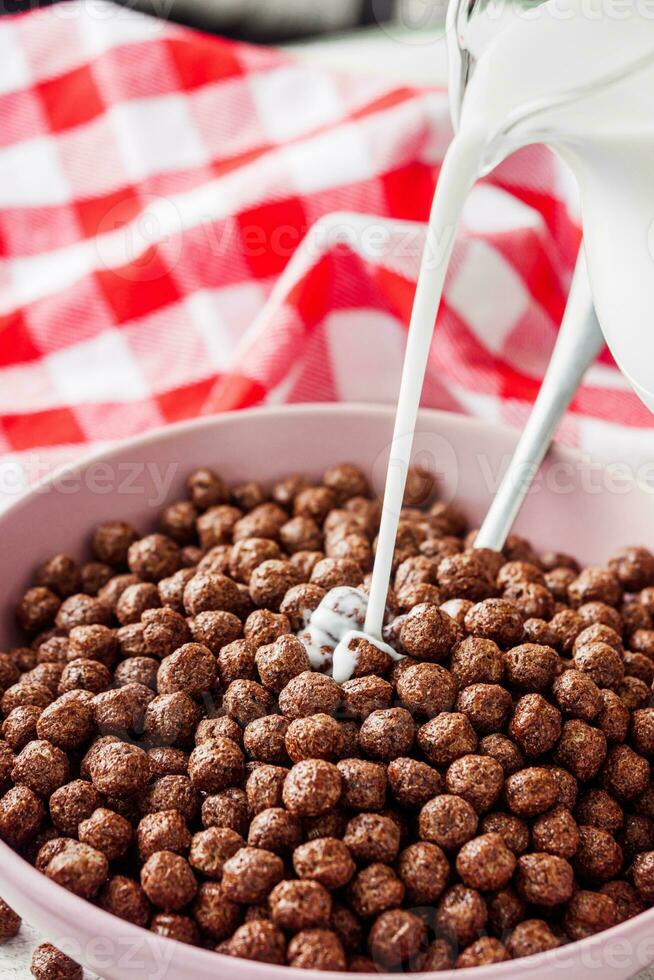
x: 333, y: 629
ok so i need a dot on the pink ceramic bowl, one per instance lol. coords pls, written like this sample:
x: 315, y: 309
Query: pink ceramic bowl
x: 572, y: 509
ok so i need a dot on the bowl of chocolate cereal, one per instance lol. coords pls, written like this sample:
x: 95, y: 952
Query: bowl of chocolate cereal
x: 189, y: 786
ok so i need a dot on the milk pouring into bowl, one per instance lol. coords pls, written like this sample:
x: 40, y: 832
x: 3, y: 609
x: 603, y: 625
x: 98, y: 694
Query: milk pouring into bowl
x: 581, y: 79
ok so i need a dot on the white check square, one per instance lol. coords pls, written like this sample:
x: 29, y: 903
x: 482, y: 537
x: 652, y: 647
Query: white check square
x: 488, y: 294
x: 102, y: 369
x: 294, y: 100
x: 157, y: 135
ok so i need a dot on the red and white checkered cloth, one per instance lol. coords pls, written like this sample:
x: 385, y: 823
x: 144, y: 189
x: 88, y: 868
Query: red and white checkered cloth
x: 154, y: 184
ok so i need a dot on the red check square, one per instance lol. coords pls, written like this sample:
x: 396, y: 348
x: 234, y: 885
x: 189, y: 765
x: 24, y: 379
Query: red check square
x: 71, y: 99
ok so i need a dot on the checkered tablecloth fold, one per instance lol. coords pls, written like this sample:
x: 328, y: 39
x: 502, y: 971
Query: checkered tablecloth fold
x: 189, y: 225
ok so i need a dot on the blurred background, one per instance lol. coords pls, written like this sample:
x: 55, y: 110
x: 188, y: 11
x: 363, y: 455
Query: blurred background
x: 353, y: 35
x: 277, y: 20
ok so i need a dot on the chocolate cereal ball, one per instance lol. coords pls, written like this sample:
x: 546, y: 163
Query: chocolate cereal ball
x: 107, y: 832
x: 535, y: 725
x: 361, y: 695
x: 251, y: 874
x: 298, y: 905
x: 264, y: 739
x: 495, y: 619
x: 581, y: 749
x: 461, y: 914
x: 372, y: 837
x: 25, y: 693
x: 72, y: 803
x: 260, y: 941
x: 598, y: 857
x: 447, y: 737
x: 325, y: 860
x: 387, y: 734
x: 395, y: 937
x: 531, y: 791
x: 21, y: 816
x: 309, y: 694
x: 374, y: 890
x: 42, y: 767
x: 465, y: 576
x: 79, y: 868
x: 448, y: 821
x: 424, y: 870
x: 577, y: 695
x: 134, y: 601
x: 279, y: 662
x: 178, y: 927
x: 544, y: 879
x: 191, y: 669
x: 125, y: 898
x: 505, y: 751
x: 170, y: 719
x: 18, y: 728
x: 216, y: 915
x: 215, y: 629
x: 428, y: 633
x: 412, y: 782
x: 486, y: 706
x: 482, y: 952
x: 37, y: 609
x: 49, y: 963
x: 626, y: 899
x: 111, y: 542
x: 316, y: 737
x: 270, y: 581
x: 216, y: 764
x: 426, y: 688
x: 597, y: 808
x: 154, y: 557
x: 613, y: 718
x: 505, y: 911
x: 625, y: 773
x: 477, y: 660
x: 165, y: 830
x: 84, y: 675
x: 312, y: 787
x: 10, y: 922
x: 486, y: 863
x: 265, y: 786
x: 263, y: 627
x: 530, y: 667
x: 363, y: 784
x: 316, y: 949
x: 603, y: 664
x: 588, y: 913
x: 68, y: 721
x: 275, y: 829
x: 556, y: 832
x: 643, y: 875
x: 529, y: 937
x: 228, y: 808
x: 94, y: 574
x: 168, y: 881
x: 477, y: 778
x: 210, y: 849
x: 171, y: 793
x: 119, y: 769
x: 513, y: 831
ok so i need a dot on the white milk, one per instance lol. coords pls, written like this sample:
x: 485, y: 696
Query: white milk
x: 580, y: 78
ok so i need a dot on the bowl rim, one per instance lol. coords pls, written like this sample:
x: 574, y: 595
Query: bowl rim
x: 46, y: 894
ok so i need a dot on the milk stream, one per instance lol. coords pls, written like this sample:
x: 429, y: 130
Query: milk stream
x: 584, y: 84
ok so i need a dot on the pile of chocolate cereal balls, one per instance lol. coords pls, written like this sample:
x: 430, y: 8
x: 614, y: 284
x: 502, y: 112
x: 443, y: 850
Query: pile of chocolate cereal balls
x: 168, y: 753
